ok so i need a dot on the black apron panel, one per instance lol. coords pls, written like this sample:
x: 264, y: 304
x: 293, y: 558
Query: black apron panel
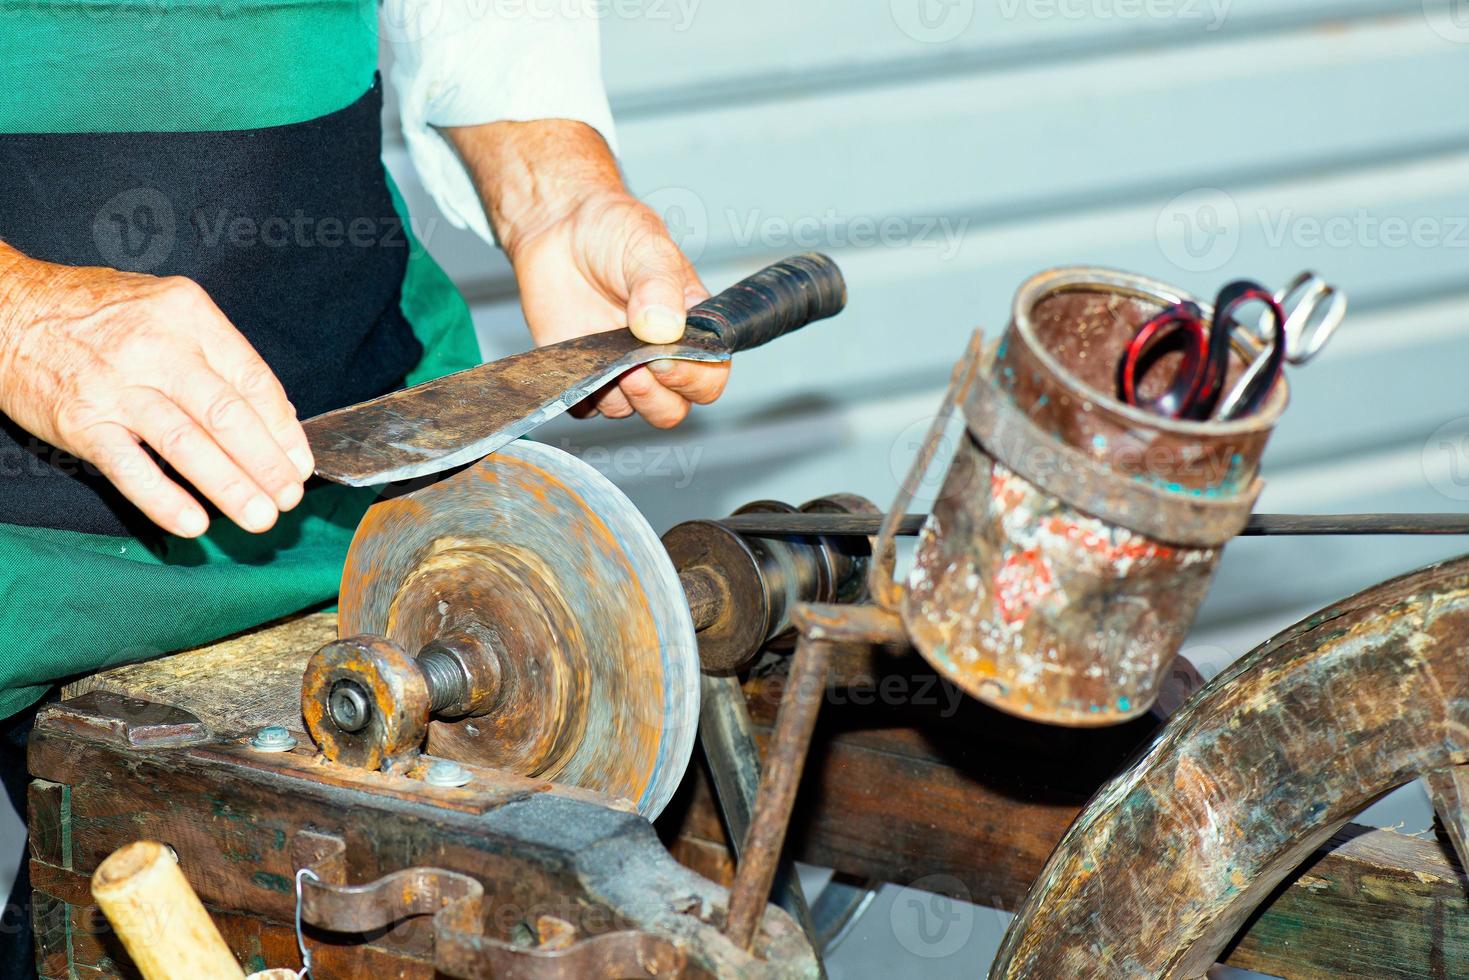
x: 291, y: 230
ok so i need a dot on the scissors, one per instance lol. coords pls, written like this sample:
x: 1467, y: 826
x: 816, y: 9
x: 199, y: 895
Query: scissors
x: 1198, y: 380
x: 1314, y: 309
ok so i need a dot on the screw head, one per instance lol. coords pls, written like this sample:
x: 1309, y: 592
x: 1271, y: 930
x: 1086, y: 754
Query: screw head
x: 273, y: 738
x: 442, y: 772
x: 349, y: 707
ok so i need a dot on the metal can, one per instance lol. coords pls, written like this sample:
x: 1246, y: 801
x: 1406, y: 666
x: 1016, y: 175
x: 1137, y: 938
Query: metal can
x: 1075, y: 536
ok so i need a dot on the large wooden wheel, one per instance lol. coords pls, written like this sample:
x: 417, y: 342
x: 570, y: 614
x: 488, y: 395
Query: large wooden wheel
x: 1168, y: 861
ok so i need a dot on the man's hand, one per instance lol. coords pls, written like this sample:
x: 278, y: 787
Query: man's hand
x: 97, y: 362
x: 588, y: 256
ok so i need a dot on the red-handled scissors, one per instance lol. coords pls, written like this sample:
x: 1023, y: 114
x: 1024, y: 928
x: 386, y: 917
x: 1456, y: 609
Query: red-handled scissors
x: 1203, y: 365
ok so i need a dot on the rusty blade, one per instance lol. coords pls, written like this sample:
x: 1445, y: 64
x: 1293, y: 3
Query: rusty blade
x: 457, y: 419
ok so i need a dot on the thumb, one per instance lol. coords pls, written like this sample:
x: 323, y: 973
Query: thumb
x: 658, y: 276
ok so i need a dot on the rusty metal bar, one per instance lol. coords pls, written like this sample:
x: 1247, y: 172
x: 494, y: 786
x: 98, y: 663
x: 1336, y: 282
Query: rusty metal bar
x: 785, y: 761
x: 849, y: 624
x: 390, y: 899
x: 1260, y: 525
x: 805, y: 524
x: 609, y: 956
x: 727, y: 737
x: 880, y: 585
x: 705, y: 595
x: 456, y: 902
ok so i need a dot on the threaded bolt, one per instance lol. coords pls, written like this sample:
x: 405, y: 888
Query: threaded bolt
x: 444, y: 676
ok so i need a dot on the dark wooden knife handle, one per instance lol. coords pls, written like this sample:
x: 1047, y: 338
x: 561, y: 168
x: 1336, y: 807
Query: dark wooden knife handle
x: 774, y: 301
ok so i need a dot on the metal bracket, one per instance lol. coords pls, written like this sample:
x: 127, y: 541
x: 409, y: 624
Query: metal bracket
x: 456, y: 902
x: 880, y: 583
x: 821, y: 627
x: 1007, y: 434
x: 121, y: 720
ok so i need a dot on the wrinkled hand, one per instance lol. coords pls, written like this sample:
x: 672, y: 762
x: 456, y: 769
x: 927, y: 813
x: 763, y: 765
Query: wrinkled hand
x: 589, y: 257
x: 610, y: 264
x: 99, y: 362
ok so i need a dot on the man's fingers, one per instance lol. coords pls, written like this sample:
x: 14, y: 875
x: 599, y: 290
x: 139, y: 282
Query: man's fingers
x: 117, y: 455
x: 658, y: 276
x: 188, y: 448
x: 238, y: 429
x: 698, y: 381
x: 612, y: 403
x: 584, y: 409
x: 662, y: 408
x: 238, y: 363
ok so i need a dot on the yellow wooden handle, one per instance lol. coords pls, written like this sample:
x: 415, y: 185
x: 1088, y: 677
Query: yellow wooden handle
x: 158, y: 917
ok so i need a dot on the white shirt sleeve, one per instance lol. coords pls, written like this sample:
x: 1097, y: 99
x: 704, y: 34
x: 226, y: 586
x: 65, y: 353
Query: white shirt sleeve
x: 465, y: 62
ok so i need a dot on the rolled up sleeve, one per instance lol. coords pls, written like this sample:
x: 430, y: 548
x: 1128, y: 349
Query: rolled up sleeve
x: 467, y: 62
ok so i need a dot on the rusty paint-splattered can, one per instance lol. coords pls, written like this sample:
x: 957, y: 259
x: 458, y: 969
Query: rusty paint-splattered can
x: 1075, y: 536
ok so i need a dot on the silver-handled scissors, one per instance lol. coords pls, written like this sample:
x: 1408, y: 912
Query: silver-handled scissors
x: 1313, y: 310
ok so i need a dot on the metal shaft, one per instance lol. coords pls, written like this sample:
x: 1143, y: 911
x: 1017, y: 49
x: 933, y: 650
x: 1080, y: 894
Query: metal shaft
x: 706, y: 596
x: 786, y: 759
x: 444, y: 677
x: 1260, y: 525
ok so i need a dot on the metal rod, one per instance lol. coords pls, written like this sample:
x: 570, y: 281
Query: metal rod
x: 727, y: 737
x: 817, y: 524
x: 706, y: 599
x: 1283, y: 524
x: 785, y: 761
x: 1260, y: 525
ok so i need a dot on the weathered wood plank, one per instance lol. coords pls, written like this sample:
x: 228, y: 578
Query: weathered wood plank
x: 909, y: 779
x: 1374, y: 904
x: 240, y: 683
x: 1448, y: 789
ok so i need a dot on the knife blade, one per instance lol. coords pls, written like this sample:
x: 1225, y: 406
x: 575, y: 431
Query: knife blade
x: 463, y: 417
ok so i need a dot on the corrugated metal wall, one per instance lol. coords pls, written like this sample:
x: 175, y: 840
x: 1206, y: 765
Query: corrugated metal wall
x: 945, y: 150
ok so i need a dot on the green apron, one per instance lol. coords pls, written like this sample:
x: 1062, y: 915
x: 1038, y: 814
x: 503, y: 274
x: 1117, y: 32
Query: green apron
x: 72, y: 603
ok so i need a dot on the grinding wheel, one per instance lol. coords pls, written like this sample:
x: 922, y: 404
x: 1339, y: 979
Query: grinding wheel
x: 536, y: 555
